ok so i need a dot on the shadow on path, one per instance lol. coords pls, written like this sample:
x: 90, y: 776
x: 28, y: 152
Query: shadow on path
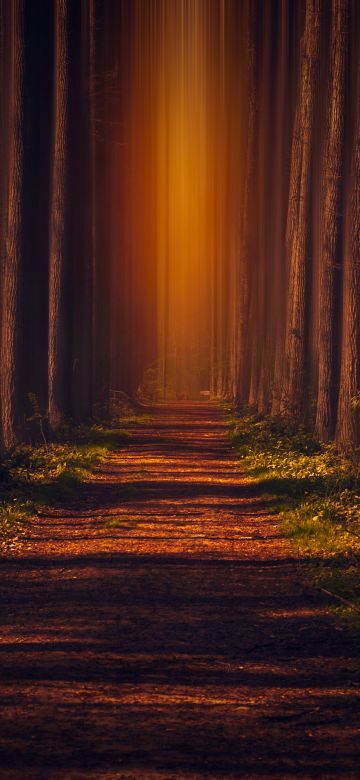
x: 166, y: 632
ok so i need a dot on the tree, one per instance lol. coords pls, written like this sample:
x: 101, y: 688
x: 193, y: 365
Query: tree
x: 283, y: 116
x: 247, y: 231
x: 13, y: 227
x: 80, y: 233
x: 37, y: 140
x: 348, y: 428
x: 332, y: 225
x: 57, y: 250
x: 298, y: 230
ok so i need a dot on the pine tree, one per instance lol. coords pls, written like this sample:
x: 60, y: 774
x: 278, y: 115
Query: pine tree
x: 298, y: 223
x: 11, y: 270
x: 332, y: 223
x: 57, y: 251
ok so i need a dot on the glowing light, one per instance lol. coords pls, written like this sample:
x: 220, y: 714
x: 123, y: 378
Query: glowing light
x: 176, y: 178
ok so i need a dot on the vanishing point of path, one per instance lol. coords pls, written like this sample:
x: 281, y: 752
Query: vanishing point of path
x: 158, y: 626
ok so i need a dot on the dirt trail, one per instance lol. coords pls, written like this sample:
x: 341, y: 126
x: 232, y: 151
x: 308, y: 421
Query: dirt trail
x: 158, y: 627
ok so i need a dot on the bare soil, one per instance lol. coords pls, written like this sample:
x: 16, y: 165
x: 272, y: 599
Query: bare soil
x: 157, y: 625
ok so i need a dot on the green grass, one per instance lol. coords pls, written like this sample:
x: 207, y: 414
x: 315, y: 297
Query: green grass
x: 31, y: 477
x: 316, y: 492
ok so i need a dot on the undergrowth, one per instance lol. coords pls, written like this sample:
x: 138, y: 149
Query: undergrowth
x: 31, y: 477
x: 317, y: 494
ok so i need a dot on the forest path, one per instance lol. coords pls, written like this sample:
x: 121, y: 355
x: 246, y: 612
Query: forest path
x: 158, y: 627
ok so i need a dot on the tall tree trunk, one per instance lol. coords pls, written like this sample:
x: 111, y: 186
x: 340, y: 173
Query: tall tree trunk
x: 79, y: 201
x: 331, y: 229
x: 281, y: 152
x: 37, y: 139
x: 294, y: 389
x: 93, y: 200
x: 104, y: 59
x: 56, y: 366
x: 247, y: 233
x: 265, y: 218
x: 13, y: 226
x: 348, y: 419
x: 4, y: 97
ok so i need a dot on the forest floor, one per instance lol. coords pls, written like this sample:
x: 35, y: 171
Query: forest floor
x: 158, y: 625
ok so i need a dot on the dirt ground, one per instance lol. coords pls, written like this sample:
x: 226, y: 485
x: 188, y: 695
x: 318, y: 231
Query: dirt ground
x: 158, y: 626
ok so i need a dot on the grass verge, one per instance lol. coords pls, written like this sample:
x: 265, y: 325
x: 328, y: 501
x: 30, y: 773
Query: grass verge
x: 316, y: 492
x: 33, y: 477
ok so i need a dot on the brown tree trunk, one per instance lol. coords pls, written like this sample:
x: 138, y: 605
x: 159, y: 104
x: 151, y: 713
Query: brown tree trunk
x: 37, y: 140
x: 348, y: 419
x: 102, y: 187
x: 294, y: 388
x: 4, y: 97
x: 93, y: 200
x: 13, y: 224
x: 247, y: 232
x: 56, y: 368
x: 281, y: 150
x: 332, y: 196
x: 79, y: 205
x: 266, y: 182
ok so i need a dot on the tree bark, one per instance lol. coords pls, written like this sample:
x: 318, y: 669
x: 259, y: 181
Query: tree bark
x: 103, y: 174
x: 331, y: 229
x: 281, y: 155
x: 348, y: 418
x: 294, y: 388
x: 13, y: 227
x: 266, y: 184
x: 79, y: 205
x: 93, y: 199
x: 56, y: 373
x: 247, y: 232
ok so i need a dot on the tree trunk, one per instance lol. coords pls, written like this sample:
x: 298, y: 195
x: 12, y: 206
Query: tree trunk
x: 13, y: 226
x: 102, y: 187
x: 93, y: 199
x: 266, y: 179
x: 247, y: 233
x: 57, y: 220
x: 348, y: 419
x: 79, y: 202
x: 37, y: 140
x: 281, y: 152
x: 294, y: 389
x: 332, y: 197
x: 4, y: 96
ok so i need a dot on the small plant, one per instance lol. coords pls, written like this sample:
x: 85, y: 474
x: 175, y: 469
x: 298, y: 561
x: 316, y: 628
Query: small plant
x: 37, y: 416
x: 150, y: 388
